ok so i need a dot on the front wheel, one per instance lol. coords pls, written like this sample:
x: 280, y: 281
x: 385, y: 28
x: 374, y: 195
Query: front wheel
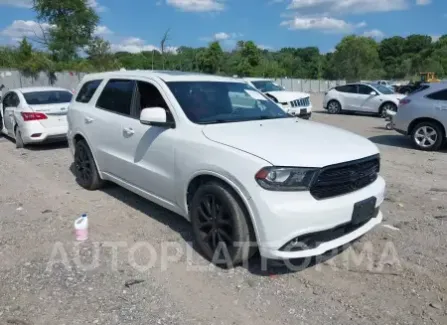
x: 86, y: 173
x: 427, y: 136
x: 221, y: 226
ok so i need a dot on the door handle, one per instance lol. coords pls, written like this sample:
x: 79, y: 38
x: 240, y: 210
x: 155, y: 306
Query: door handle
x: 128, y: 131
x: 88, y: 119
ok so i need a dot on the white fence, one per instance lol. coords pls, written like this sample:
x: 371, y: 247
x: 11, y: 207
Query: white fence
x: 308, y: 85
x: 14, y: 79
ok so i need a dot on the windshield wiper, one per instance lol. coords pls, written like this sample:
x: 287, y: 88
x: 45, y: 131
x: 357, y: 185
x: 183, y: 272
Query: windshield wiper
x: 215, y: 121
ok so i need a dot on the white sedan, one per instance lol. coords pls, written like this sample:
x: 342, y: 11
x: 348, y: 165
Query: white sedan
x: 35, y: 115
x: 361, y: 97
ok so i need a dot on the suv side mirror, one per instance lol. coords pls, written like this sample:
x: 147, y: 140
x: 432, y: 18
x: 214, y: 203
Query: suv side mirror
x: 155, y: 116
x: 373, y: 93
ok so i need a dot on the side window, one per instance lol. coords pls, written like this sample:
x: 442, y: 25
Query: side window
x: 87, y: 91
x: 347, y: 89
x: 439, y: 95
x: 6, y: 101
x: 15, y: 100
x: 117, y: 96
x: 365, y: 90
x: 148, y: 96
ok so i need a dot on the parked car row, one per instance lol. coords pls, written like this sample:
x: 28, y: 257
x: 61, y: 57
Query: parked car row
x: 225, y: 156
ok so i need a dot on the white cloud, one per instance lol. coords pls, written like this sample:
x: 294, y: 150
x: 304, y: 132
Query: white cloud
x: 137, y: 45
x: 28, y: 4
x: 350, y: 6
x: 374, y: 33
x: 102, y: 31
x: 16, y: 3
x: 265, y: 47
x: 95, y: 5
x: 197, y: 5
x: 325, y: 24
x: 435, y: 38
x: 221, y: 36
x: 423, y: 2
x: 24, y: 28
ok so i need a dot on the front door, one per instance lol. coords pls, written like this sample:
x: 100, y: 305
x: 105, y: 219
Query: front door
x: 10, y: 104
x: 368, y: 103
x: 148, y: 152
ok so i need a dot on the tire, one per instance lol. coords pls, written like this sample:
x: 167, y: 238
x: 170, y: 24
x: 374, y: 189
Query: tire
x: 18, y: 138
x: 219, y: 221
x: 427, y: 136
x: 86, y: 173
x: 385, y: 107
x: 334, y: 107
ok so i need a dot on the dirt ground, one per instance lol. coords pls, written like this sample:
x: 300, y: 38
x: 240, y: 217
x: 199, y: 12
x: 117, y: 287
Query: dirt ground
x: 396, y: 274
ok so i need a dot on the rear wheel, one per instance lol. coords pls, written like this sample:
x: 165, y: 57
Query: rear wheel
x: 220, y: 225
x: 18, y: 136
x: 427, y: 136
x: 86, y: 173
x: 334, y: 107
x: 387, y: 107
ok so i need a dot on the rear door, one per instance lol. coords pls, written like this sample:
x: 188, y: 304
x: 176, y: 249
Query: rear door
x: 439, y: 100
x: 348, y: 97
x: 107, y: 123
x: 54, y: 104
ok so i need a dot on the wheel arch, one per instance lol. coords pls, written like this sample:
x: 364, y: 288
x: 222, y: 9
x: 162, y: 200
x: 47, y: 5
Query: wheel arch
x: 78, y: 136
x: 418, y: 120
x: 335, y: 100
x: 240, y: 193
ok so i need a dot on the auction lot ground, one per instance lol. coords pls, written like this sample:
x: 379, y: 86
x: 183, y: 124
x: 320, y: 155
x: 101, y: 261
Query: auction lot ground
x: 401, y: 278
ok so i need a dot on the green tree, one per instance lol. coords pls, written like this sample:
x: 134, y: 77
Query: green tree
x: 357, y: 57
x: 211, y: 59
x: 73, y: 22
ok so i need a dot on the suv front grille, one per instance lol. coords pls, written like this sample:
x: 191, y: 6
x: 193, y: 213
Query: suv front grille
x: 345, y: 178
x: 303, y: 102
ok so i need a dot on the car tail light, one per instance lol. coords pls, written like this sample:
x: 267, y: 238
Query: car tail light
x: 404, y: 101
x: 33, y: 116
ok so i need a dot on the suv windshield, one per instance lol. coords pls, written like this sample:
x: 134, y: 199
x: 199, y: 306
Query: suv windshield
x: 48, y: 97
x: 266, y: 85
x: 221, y: 102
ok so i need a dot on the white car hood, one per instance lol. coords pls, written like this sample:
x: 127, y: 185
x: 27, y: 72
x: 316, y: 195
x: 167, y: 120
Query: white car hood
x: 287, y: 96
x: 292, y: 141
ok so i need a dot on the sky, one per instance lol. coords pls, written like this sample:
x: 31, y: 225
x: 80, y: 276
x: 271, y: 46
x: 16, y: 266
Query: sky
x: 138, y: 25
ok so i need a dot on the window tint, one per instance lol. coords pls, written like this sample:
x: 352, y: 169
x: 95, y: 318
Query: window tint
x: 365, y: 90
x: 347, y: 89
x: 11, y: 100
x: 6, y: 101
x: 117, y: 96
x: 47, y: 97
x: 439, y: 95
x: 87, y: 91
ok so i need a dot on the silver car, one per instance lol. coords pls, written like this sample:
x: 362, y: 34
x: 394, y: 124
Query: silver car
x: 423, y: 116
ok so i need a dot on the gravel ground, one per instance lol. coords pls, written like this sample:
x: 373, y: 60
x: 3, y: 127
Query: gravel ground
x: 396, y: 274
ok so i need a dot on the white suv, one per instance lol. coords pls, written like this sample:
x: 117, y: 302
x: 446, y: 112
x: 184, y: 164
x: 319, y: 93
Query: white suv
x: 217, y: 152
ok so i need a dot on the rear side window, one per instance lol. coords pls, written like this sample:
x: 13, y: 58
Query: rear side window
x: 87, y: 91
x: 347, y: 89
x: 439, y: 95
x: 365, y: 90
x: 117, y: 96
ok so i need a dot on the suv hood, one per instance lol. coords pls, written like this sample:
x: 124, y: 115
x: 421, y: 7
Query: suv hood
x: 287, y: 96
x: 292, y: 141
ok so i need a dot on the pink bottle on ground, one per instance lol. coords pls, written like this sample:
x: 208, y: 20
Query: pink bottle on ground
x: 81, y: 228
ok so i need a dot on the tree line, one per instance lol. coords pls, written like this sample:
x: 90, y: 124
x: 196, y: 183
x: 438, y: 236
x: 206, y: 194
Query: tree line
x: 70, y: 45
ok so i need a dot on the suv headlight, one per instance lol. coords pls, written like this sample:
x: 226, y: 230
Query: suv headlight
x: 285, y: 178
